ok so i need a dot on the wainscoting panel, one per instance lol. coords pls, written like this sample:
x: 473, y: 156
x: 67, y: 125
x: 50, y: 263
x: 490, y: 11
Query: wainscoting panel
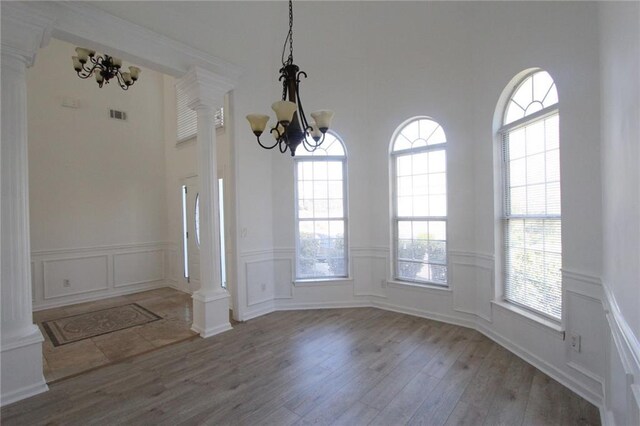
x: 138, y: 267
x: 622, y: 388
x: 259, y: 275
x: 369, y: 268
x: 66, y: 277
x: 585, y: 321
x: 472, y: 280
x: 283, y: 278
x: 463, y: 280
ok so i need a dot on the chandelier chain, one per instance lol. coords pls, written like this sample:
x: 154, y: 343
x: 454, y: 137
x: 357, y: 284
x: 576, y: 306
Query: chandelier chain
x: 291, y: 31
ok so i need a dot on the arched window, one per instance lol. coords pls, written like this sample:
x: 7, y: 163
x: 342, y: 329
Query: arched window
x: 419, y: 185
x: 531, y: 194
x: 321, y: 211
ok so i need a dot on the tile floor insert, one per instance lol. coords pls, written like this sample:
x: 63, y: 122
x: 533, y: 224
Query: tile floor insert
x: 173, y: 324
x: 66, y: 330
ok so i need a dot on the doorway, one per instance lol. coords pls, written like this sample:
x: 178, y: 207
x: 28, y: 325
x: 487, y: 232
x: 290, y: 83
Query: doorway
x: 191, y: 233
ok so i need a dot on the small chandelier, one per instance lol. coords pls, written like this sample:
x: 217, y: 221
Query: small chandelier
x: 104, y: 68
x: 292, y: 127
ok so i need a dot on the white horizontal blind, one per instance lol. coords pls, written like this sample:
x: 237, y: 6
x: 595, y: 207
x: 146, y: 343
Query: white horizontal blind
x: 188, y: 119
x: 532, y: 220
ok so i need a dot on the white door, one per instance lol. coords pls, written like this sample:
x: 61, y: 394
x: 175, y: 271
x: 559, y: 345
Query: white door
x: 191, y: 233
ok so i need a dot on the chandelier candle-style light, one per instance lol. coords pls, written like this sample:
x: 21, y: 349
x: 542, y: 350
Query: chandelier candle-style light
x: 292, y: 127
x: 104, y: 68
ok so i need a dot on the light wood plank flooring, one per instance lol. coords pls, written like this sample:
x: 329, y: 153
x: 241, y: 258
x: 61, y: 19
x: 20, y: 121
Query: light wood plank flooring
x: 341, y: 366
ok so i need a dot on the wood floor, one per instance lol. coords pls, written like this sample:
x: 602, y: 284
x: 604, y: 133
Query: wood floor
x: 342, y: 366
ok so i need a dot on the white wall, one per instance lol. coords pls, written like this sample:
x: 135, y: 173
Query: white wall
x: 620, y: 109
x: 96, y: 185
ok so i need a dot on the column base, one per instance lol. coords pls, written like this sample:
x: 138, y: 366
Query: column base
x: 210, y: 312
x: 22, y: 367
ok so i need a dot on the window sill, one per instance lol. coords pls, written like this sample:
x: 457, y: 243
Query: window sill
x: 412, y: 285
x: 322, y: 282
x: 186, y: 141
x: 545, y: 323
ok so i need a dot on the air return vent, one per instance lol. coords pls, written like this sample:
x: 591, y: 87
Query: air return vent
x: 118, y: 115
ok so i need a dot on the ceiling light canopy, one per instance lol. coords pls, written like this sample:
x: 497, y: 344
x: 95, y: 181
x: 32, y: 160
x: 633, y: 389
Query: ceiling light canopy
x: 292, y: 126
x: 104, y: 68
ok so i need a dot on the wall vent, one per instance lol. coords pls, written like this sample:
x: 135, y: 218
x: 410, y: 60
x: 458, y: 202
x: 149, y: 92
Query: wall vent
x: 118, y: 115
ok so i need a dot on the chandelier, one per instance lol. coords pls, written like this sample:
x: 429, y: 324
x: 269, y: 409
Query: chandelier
x: 292, y: 127
x: 104, y: 68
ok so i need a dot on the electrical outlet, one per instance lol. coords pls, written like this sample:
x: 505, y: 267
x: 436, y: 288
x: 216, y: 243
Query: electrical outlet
x: 66, y: 283
x: 575, y: 342
x: 263, y: 286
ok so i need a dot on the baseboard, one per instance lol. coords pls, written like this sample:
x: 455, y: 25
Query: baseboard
x: 548, y: 369
x: 257, y: 312
x: 23, y: 393
x: 212, y: 331
x: 422, y: 314
x: 93, y: 297
x: 285, y: 306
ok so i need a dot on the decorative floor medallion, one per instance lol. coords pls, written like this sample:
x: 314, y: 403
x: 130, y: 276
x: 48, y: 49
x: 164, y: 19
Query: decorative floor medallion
x: 85, y: 326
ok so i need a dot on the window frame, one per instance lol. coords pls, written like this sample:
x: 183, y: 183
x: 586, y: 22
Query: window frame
x: 396, y: 219
x: 503, y: 138
x: 345, y: 213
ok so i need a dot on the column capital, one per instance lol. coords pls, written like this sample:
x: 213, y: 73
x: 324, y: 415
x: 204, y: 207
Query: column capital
x: 24, y: 31
x: 204, y: 89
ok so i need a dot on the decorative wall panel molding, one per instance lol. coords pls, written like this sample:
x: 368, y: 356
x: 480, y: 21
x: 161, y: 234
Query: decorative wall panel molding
x: 66, y: 276
x: 259, y: 280
x: 138, y: 267
x: 625, y: 344
x: 77, y: 275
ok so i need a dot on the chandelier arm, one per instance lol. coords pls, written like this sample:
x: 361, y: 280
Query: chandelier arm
x: 86, y: 72
x: 312, y: 145
x: 266, y: 146
x: 87, y: 69
x: 302, y: 118
x: 283, y: 145
x: 121, y: 82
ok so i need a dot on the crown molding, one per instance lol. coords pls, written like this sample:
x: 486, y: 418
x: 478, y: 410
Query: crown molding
x: 24, y: 31
x: 83, y: 24
x: 204, y: 88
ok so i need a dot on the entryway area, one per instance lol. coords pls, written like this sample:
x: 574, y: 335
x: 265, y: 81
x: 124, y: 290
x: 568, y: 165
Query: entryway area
x: 88, y: 335
x: 115, y: 194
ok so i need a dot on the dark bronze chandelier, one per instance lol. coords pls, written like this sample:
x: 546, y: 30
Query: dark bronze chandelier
x: 292, y: 127
x: 104, y: 68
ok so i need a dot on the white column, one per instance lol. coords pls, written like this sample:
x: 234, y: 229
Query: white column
x: 21, y: 340
x: 206, y: 91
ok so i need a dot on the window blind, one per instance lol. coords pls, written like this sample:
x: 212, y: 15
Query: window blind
x: 188, y: 118
x: 532, y: 220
